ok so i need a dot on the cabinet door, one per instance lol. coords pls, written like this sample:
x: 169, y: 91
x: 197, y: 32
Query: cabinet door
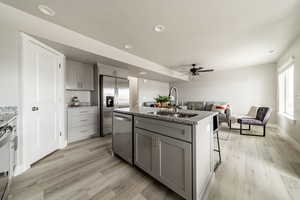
x: 90, y: 78
x: 86, y: 77
x: 71, y: 76
x: 174, y: 165
x: 79, y: 76
x: 144, y: 150
x: 80, y: 71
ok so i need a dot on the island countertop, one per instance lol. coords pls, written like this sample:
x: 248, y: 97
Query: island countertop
x: 149, y: 113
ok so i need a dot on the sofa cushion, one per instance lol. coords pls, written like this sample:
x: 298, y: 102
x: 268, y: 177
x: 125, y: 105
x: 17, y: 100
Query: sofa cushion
x: 190, y: 105
x: 208, y: 107
x: 199, y: 105
x: 251, y: 121
x: 220, y: 108
x: 252, y: 112
x: 263, y: 114
x: 195, y: 105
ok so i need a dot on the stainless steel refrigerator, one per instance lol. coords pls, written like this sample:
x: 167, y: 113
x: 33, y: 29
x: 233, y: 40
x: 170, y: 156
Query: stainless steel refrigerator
x: 114, y: 93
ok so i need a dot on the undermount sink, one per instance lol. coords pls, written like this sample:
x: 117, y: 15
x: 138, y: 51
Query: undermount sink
x: 174, y: 114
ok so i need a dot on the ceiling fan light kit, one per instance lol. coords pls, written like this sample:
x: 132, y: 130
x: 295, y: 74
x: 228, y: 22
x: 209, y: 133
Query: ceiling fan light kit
x: 195, y: 71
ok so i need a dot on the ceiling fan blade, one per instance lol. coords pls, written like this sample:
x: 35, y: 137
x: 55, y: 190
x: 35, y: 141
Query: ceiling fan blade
x: 206, y: 70
x: 183, y: 71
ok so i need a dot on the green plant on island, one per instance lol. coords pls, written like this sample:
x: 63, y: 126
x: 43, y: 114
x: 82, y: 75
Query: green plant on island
x: 162, y: 99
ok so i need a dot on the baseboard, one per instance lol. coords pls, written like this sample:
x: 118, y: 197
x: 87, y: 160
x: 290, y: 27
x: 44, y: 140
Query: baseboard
x: 63, y: 145
x: 209, y: 185
x: 20, y: 169
x: 273, y: 126
x: 289, y: 138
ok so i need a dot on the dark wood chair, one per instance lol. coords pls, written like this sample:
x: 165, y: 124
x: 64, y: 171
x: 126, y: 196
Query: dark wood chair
x: 262, y: 117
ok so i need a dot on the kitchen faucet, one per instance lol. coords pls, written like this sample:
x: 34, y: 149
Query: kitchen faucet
x: 176, y: 97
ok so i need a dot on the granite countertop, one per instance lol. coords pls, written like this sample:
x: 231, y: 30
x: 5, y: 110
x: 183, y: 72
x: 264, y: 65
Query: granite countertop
x: 6, y: 118
x: 146, y: 112
x: 7, y: 115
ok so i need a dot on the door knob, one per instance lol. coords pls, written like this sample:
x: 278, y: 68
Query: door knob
x: 34, y: 108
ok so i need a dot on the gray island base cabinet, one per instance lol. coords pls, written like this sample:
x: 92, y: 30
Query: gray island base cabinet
x: 179, y: 155
x: 166, y: 159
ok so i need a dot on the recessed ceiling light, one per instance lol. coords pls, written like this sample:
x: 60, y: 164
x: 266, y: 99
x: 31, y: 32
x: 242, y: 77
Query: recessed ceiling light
x: 143, y: 73
x: 46, y: 10
x: 128, y: 46
x: 159, y: 28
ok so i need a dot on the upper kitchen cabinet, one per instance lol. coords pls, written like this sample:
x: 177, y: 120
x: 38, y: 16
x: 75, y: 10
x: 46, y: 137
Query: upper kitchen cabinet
x: 79, y: 76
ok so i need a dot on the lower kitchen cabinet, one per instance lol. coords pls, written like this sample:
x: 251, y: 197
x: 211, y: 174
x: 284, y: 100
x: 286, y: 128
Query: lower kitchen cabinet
x: 144, y: 150
x: 167, y: 159
x: 82, y: 123
x: 174, y: 165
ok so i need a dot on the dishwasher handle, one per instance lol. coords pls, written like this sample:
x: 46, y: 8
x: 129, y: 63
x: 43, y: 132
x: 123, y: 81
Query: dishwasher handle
x: 122, y: 118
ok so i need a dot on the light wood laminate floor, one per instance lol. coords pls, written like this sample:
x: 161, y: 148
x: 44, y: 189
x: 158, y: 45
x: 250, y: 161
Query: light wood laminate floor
x: 253, y: 168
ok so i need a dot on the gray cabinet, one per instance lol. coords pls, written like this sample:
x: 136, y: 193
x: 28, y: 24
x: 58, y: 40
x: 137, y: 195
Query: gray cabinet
x: 79, y: 76
x: 82, y: 123
x: 144, y: 150
x: 174, y: 165
x: 171, y: 129
x: 167, y: 159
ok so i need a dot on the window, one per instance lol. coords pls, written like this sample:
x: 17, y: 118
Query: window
x: 286, y: 91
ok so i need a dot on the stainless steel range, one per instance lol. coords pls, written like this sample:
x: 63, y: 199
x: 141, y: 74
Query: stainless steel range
x: 8, y: 147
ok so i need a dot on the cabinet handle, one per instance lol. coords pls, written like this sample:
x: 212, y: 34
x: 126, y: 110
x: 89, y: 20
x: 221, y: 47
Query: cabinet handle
x: 84, y: 111
x: 84, y: 120
x: 82, y: 131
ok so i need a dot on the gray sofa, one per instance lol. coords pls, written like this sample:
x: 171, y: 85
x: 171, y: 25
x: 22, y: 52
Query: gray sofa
x: 224, y: 115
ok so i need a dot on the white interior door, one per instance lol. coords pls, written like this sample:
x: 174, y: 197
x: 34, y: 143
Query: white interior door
x: 41, y: 72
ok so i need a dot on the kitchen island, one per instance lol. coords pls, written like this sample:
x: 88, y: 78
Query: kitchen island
x: 176, y: 148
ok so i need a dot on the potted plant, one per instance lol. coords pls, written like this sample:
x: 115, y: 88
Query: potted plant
x: 162, y: 100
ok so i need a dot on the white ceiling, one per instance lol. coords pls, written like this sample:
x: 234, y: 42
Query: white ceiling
x: 90, y: 58
x: 213, y: 33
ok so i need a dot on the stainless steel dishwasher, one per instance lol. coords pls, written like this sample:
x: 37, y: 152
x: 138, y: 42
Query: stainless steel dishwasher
x: 122, y: 138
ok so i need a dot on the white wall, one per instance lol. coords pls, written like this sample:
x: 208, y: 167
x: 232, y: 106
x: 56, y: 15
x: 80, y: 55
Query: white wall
x: 83, y: 96
x: 133, y: 89
x: 242, y: 88
x: 9, y: 66
x: 111, y: 70
x: 292, y: 127
x: 149, y: 89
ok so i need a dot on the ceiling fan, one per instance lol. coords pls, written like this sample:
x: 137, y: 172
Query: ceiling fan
x: 196, y: 69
